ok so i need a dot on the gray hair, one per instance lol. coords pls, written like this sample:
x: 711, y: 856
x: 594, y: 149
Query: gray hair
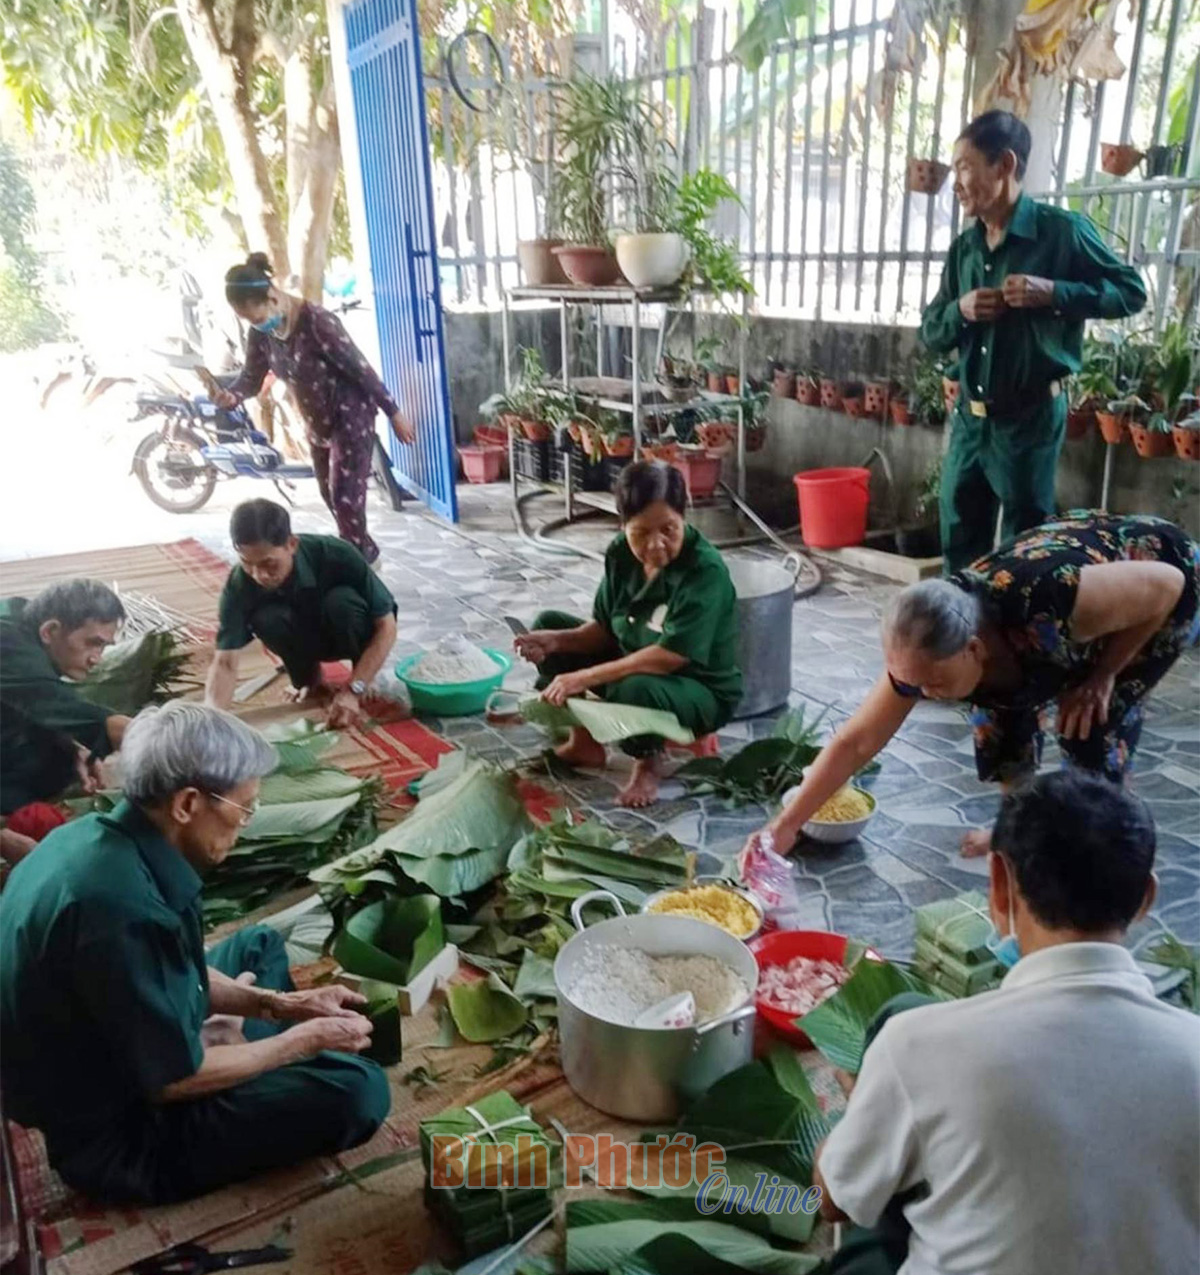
x: 181, y: 745
x: 936, y: 618
x: 73, y: 603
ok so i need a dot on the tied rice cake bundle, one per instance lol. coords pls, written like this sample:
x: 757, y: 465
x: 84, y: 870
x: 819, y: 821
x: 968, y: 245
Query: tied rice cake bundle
x: 482, y: 1232
x: 960, y: 927
x: 956, y: 977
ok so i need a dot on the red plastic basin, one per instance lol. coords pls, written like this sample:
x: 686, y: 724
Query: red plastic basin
x: 833, y: 506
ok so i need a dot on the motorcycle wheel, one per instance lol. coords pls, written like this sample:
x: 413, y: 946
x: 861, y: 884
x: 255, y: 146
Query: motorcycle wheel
x: 173, y: 472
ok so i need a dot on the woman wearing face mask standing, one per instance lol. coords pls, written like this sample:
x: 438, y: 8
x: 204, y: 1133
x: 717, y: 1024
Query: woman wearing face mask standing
x: 337, y: 389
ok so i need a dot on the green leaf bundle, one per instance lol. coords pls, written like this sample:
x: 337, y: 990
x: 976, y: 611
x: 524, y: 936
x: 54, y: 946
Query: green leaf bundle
x: 138, y: 671
x: 762, y: 771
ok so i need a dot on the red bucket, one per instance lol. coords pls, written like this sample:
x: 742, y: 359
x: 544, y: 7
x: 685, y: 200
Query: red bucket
x: 833, y: 506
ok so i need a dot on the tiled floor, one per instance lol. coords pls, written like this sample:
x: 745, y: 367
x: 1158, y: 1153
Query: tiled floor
x: 467, y: 579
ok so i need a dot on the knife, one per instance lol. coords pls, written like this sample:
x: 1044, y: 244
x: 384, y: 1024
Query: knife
x: 515, y: 625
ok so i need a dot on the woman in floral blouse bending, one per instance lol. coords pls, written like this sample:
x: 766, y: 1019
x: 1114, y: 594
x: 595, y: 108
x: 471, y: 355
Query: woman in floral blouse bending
x: 337, y: 389
x: 1088, y: 612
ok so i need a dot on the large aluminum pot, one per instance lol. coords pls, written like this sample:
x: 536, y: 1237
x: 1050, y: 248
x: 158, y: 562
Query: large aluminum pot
x: 766, y: 594
x: 650, y: 1073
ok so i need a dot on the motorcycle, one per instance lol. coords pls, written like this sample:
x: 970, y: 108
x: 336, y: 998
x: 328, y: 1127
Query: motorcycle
x: 199, y: 444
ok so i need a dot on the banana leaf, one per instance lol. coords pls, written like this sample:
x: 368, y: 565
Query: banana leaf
x: 453, y: 875
x: 535, y: 978
x: 607, y: 723
x: 393, y: 940
x: 767, y: 1118
x: 485, y: 1010
x: 138, y: 671
x: 300, y: 744
x: 668, y: 1237
x: 299, y: 820
x: 313, y: 785
x: 838, y: 1026
x: 383, y: 1009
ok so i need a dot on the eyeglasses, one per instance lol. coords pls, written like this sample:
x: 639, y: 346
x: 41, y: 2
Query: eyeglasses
x: 248, y: 812
x: 906, y: 690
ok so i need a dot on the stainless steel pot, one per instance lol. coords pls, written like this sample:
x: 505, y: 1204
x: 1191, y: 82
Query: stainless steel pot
x: 649, y: 1073
x: 766, y: 594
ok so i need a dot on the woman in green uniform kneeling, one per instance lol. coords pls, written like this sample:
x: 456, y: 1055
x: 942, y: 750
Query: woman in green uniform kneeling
x: 663, y: 632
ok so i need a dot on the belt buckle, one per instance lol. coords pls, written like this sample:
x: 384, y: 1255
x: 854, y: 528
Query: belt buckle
x: 978, y: 407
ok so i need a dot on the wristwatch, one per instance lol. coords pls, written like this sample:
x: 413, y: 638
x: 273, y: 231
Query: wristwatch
x: 358, y: 687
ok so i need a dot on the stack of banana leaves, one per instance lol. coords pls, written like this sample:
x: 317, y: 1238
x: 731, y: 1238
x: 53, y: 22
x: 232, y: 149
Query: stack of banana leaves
x: 147, y: 669
x: 308, y: 815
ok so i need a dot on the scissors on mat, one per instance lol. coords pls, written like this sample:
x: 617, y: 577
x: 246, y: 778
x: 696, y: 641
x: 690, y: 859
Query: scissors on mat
x: 195, y: 1259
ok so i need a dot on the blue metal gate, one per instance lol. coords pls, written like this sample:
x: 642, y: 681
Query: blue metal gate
x: 384, y: 53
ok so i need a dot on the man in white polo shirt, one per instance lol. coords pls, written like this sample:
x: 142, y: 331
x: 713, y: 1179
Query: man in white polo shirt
x: 1053, y: 1125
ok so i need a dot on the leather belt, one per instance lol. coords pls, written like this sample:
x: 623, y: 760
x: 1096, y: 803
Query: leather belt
x: 1014, y: 404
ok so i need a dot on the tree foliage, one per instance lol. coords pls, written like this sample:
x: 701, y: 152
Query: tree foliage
x: 25, y: 319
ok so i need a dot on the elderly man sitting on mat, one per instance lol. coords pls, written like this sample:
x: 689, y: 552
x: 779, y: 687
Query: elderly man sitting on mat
x: 105, y: 987
x: 663, y: 632
x: 310, y: 600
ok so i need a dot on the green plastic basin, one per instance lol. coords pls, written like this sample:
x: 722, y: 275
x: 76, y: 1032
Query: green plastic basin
x: 453, y: 699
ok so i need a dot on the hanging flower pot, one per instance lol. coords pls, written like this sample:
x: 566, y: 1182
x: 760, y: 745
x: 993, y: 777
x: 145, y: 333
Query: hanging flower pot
x: 539, y: 265
x: 783, y: 384
x: 1119, y: 159
x: 927, y: 176
x: 900, y: 411
x: 808, y: 391
x: 1187, y: 441
x: 1113, y: 428
x: 875, y: 399
x: 831, y: 393
x: 1150, y: 444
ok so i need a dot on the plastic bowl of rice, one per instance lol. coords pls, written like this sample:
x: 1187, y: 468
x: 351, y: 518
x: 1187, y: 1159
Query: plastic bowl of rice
x: 841, y: 818
x: 735, y: 911
x: 453, y: 699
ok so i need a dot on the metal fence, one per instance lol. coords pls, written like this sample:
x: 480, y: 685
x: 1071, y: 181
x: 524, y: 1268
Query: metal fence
x: 817, y: 142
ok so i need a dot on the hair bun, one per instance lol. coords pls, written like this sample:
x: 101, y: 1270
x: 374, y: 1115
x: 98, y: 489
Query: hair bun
x: 261, y: 262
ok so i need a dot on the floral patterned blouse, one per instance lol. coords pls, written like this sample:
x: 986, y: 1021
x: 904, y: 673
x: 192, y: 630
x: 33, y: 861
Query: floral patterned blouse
x: 1028, y: 589
x: 326, y: 370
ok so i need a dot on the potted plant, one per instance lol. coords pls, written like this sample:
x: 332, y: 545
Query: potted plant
x: 1119, y: 414
x: 1093, y: 386
x: 701, y: 470
x: 708, y: 369
x: 1119, y: 159
x: 926, y: 176
x: 536, y: 257
x: 1152, y: 437
x: 1185, y: 434
x: 921, y: 537
x: 852, y: 399
x: 876, y: 395
x: 926, y: 392
x: 808, y: 389
x: 831, y: 393
x: 783, y: 383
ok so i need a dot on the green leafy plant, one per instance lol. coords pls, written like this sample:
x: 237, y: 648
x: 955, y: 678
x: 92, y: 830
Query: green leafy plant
x: 762, y: 771
x: 1096, y: 380
x: 924, y: 384
x: 1175, y: 374
x: 926, y: 507
x: 1169, y: 951
x: 714, y: 262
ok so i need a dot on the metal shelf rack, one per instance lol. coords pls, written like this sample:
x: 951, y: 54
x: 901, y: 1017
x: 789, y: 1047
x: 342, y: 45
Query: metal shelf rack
x: 634, y: 299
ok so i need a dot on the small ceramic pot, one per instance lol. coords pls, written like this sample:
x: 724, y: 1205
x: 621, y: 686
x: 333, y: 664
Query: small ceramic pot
x: 1151, y: 444
x: 831, y: 393
x: 783, y: 384
x: 1113, y: 429
x: 1187, y: 442
x: 1119, y: 159
x: 808, y: 392
x: 588, y: 265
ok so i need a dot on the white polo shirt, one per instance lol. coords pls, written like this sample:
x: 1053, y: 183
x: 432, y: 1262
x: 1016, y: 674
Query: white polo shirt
x: 1055, y: 1120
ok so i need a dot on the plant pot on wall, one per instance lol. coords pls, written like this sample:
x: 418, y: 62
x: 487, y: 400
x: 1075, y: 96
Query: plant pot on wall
x: 927, y: 176
x: 901, y: 412
x: 783, y: 383
x: 852, y: 401
x: 587, y: 265
x: 831, y: 394
x: 1151, y: 444
x: 539, y: 265
x: 1119, y: 159
x: 1081, y: 420
x: 808, y: 391
x: 1187, y: 441
x: 652, y: 261
x: 875, y: 399
x: 1113, y: 428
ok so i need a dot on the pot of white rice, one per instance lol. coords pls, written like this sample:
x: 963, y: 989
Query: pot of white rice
x: 610, y: 972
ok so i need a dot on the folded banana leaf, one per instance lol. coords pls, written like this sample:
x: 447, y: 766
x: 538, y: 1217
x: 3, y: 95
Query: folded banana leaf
x: 392, y: 940
x: 838, y: 1026
x: 485, y: 1010
x: 300, y: 744
x: 607, y: 723
x: 383, y: 1009
x: 149, y: 669
x: 668, y: 1237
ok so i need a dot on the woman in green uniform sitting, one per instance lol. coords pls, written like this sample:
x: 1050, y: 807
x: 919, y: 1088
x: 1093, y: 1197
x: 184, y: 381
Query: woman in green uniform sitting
x: 663, y: 632
x: 1085, y: 613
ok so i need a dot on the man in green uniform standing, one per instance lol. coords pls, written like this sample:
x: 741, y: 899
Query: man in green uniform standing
x: 105, y: 987
x: 50, y: 736
x: 1015, y: 292
x: 308, y: 599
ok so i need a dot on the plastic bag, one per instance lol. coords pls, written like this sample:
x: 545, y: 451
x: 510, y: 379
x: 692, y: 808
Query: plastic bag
x: 770, y: 878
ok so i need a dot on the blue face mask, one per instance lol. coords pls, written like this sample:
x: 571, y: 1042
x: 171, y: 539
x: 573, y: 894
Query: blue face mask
x: 1004, y: 947
x: 273, y: 324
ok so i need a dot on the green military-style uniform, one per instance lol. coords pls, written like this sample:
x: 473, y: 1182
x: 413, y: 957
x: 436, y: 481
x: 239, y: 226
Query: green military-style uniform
x: 103, y: 990
x: 325, y: 610
x: 42, y: 717
x: 690, y: 607
x: 1008, y: 426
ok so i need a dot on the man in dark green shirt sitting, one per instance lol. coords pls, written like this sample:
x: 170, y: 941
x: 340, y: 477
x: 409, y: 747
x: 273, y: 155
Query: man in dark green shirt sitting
x: 105, y: 987
x: 1015, y: 292
x: 309, y: 600
x: 50, y: 736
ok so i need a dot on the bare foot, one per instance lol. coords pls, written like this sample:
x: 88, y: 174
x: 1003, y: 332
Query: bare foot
x: 582, y: 750
x: 642, y: 788
x: 976, y: 844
